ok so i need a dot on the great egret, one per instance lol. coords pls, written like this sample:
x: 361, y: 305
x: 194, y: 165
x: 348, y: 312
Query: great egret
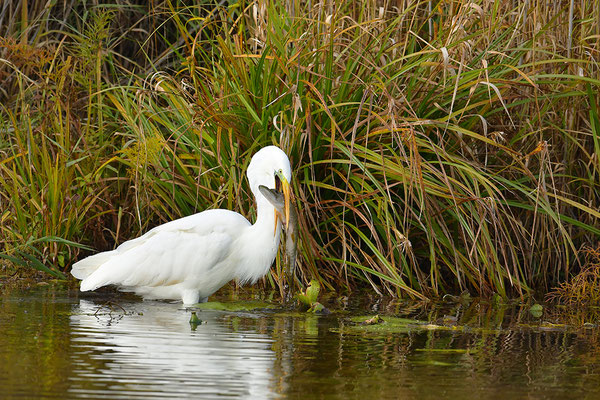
x: 192, y: 257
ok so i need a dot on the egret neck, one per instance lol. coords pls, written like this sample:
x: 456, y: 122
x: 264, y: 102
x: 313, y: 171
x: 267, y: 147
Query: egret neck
x: 260, y: 242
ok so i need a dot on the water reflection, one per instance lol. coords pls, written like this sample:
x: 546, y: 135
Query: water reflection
x: 154, y: 352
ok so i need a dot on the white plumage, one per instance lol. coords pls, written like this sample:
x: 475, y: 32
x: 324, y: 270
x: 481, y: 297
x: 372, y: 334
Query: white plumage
x: 192, y: 257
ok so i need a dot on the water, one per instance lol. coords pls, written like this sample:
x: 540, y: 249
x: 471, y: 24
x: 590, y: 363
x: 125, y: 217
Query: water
x: 56, y: 344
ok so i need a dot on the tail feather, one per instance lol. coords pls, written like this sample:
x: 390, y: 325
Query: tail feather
x: 98, y: 270
x: 84, y: 268
x: 94, y: 281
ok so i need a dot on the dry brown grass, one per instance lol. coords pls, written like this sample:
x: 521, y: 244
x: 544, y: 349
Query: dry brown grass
x: 583, y: 290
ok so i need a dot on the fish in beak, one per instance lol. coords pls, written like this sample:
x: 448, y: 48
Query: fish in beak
x: 278, y: 199
x: 281, y: 184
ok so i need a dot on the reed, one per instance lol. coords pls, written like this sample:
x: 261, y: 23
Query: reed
x: 437, y: 147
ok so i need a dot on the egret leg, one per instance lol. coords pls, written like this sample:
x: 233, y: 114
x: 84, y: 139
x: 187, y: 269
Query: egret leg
x: 191, y: 296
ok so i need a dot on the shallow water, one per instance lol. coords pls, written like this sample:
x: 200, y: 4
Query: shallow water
x: 56, y: 344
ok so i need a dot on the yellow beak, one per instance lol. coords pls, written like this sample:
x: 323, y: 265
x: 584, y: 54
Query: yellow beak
x: 285, y: 188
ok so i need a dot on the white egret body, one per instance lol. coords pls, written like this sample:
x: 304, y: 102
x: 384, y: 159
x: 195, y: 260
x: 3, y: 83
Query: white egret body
x: 192, y: 257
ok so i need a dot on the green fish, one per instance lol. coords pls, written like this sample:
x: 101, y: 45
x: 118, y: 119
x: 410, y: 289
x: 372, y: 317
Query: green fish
x: 291, y: 230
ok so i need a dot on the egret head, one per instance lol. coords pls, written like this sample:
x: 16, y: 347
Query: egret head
x: 270, y: 167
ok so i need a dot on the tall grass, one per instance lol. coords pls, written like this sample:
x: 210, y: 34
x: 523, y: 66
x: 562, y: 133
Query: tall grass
x: 436, y: 146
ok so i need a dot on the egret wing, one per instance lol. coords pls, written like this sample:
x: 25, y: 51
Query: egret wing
x: 178, y: 251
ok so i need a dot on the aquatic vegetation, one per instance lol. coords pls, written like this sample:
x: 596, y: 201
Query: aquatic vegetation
x: 437, y: 147
x: 536, y: 310
x: 391, y: 324
x: 375, y: 320
x: 195, y: 321
x: 310, y: 295
x: 234, y: 306
x: 308, y: 298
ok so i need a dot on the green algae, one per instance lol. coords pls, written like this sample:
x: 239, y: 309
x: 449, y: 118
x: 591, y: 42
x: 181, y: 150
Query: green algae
x: 235, y: 306
x: 448, y: 351
x: 377, y: 324
x: 388, y: 324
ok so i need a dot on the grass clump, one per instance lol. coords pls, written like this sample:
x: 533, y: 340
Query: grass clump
x: 583, y: 290
x: 437, y: 147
